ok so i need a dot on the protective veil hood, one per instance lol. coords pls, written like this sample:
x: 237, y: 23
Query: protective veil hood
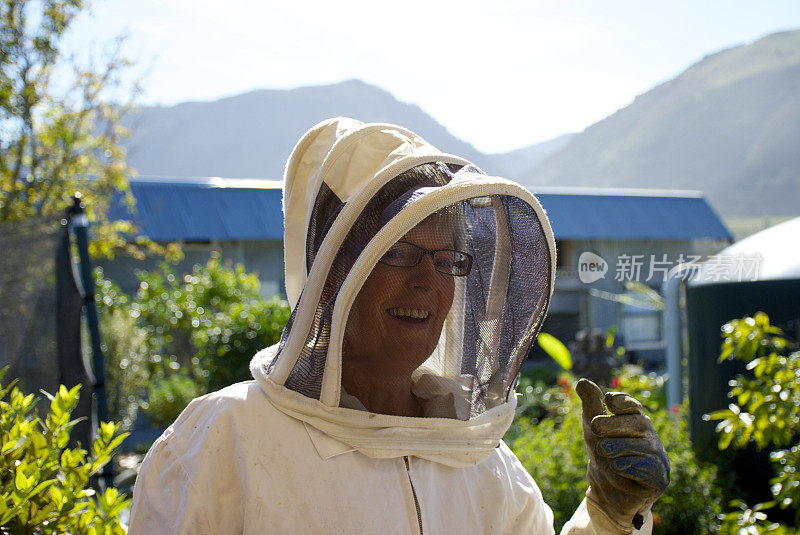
x: 351, y: 191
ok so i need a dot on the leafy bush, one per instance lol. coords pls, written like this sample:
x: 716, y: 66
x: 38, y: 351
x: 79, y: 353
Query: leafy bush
x: 553, y: 452
x: 125, y: 350
x: 209, y: 323
x: 43, y: 484
x: 648, y: 388
x: 745, y: 520
x: 169, y: 396
x: 693, y: 500
x: 536, y: 397
x: 766, y: 407
x: 187, y: 335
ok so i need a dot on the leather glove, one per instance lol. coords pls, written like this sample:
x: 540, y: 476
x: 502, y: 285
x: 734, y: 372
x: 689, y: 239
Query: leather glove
x: 628, y: 466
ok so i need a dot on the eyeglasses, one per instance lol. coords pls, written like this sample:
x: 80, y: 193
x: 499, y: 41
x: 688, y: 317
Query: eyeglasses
x: 448, y: 261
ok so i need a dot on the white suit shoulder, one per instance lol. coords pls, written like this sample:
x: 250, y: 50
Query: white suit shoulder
x: 217, y: 420
x: 191, y: 480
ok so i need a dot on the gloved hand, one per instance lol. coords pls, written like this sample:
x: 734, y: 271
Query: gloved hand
x: 628, y: 466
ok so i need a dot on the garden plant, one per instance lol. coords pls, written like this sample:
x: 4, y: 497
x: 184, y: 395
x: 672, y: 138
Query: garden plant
x: 765, y: 411
x: 44, y: 483
x: 182, y: 336
x: 544, y: 433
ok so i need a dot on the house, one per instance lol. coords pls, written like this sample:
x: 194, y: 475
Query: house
x: 240, y: 218
x: 605, y: 239
x: 608, y: 238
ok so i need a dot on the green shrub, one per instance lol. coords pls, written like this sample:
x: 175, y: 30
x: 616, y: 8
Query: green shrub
x: 745, y: 520
x: 766, y: 405
x: 168, y: 396
x: 125, y: 350
x: 225, y: 350
x: 693, y: 501
x: 536, y: 397
x: 186, y: 335
x: 648, y: 388
x: 553, y: 452
x: 208, y: 323
x: 43, y: 484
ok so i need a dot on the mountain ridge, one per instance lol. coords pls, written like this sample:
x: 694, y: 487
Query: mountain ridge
x: 252, y: 134
x: 726, y: 125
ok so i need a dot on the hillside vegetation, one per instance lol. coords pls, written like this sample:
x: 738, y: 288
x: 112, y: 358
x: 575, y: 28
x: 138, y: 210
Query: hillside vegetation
x: 729, y: 125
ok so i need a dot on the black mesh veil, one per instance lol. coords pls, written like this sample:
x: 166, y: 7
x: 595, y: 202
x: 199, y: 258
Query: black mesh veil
x: 456, y: 341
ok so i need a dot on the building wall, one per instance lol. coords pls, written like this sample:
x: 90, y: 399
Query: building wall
x: 262, y: 256
x: 590, y: 304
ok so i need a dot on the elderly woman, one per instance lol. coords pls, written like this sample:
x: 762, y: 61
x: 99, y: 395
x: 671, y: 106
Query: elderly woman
x: 418, y: 284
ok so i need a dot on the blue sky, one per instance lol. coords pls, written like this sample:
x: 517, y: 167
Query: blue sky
x: 500, y: 75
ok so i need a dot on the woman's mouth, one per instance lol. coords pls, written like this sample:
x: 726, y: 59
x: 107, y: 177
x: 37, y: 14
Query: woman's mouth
x: 415, y: 315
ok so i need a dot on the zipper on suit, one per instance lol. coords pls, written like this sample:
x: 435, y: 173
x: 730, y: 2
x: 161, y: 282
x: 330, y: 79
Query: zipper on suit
x: 414, y: 493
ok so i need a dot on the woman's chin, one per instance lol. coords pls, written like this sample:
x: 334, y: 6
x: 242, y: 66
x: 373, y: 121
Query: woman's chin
x: 411, y: 352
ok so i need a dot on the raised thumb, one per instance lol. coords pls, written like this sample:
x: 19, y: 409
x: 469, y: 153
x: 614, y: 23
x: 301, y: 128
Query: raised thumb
x: 591, y: 399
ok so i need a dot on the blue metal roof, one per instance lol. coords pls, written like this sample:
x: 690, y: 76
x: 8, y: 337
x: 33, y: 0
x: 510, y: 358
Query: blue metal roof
x: 242, y: 209
x: 206, y: 209
x: 631, y: 215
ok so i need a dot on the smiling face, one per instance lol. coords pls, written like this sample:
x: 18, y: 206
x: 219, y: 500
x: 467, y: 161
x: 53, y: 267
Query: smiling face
x: 397, y: 318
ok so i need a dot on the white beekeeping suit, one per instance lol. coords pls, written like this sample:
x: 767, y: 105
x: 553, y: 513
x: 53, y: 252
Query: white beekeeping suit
x: 301, y: 449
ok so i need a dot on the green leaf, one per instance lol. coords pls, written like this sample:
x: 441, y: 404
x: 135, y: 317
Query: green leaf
x: 610, y: 335
x: 8, y: 447
x: 10, y: 385
x: 557, y: 350
x: 39, y: 445
x: 56, y: 495
x: 107, y: 430
x: 717, y: 415
x: 40, y: 487
x: 21, y: 482
x: 117, y: 441
x: 725, y: 440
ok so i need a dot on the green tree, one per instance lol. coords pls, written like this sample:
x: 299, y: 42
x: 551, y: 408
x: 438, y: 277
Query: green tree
x: 54, y: 142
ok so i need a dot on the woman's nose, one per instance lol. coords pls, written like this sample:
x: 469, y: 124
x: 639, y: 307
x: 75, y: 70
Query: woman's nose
x: 425, y: 274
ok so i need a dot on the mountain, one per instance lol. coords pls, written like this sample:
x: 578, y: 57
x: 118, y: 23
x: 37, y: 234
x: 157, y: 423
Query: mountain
x: 251, y: 135
x: 515, y: 163
x: 729, y: 125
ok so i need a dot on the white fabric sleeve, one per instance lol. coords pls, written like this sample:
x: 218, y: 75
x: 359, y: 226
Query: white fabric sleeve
x: 164, y: 498
x: 524, y: 508
x: 590, y: 520
x: 172, y: 492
